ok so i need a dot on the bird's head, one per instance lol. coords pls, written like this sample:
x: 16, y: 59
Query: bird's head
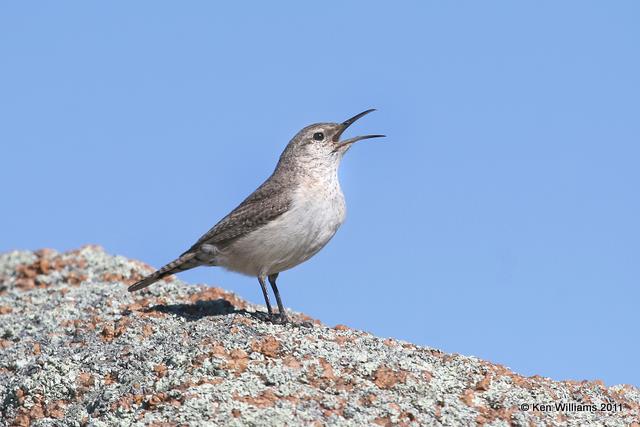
x: 321, y: 141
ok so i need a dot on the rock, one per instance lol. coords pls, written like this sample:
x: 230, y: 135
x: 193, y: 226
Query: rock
x: 77, y: 349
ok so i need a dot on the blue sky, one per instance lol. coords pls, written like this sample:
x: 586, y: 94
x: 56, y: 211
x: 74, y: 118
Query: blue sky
x: 500, y: 218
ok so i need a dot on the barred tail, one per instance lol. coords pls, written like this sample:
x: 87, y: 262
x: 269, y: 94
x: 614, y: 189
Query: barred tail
x: 184, y: 262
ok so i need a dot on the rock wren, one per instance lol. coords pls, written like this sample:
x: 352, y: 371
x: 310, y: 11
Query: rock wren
x: 286, y: 221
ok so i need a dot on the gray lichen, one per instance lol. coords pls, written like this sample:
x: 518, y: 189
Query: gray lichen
x: 77, y: 349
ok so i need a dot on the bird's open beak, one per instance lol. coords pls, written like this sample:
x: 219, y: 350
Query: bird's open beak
x: 344, y: 125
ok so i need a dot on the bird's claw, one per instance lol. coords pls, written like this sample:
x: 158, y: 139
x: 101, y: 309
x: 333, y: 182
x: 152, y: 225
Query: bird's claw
x: 279, y: 319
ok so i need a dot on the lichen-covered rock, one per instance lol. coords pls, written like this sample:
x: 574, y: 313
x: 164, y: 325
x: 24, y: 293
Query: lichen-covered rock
x: 77, y: 349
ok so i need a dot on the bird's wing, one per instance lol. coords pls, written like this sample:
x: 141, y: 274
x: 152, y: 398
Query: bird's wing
x: 268, y: 202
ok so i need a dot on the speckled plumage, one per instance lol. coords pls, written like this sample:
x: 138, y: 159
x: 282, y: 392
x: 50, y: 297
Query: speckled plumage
x: 284, y: 222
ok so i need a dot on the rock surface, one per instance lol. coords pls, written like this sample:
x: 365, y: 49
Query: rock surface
x: 77, y: 349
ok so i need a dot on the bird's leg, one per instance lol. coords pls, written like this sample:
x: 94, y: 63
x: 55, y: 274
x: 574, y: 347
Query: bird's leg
x: 263, y: 285
x: 283, y: 313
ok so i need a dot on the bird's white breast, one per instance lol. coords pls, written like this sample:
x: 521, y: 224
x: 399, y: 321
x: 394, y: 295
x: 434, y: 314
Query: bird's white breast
x: 317, y: 211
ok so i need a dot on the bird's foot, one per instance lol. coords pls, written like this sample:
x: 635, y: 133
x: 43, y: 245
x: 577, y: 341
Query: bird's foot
x: 279, y: 319
x: 283, y: 319
x: 262, y: 316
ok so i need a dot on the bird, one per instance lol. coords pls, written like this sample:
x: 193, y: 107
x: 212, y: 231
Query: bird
x: 285, y: 221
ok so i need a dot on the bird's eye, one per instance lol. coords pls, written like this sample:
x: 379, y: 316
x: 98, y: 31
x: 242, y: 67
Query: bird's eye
x: 318, y: 136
